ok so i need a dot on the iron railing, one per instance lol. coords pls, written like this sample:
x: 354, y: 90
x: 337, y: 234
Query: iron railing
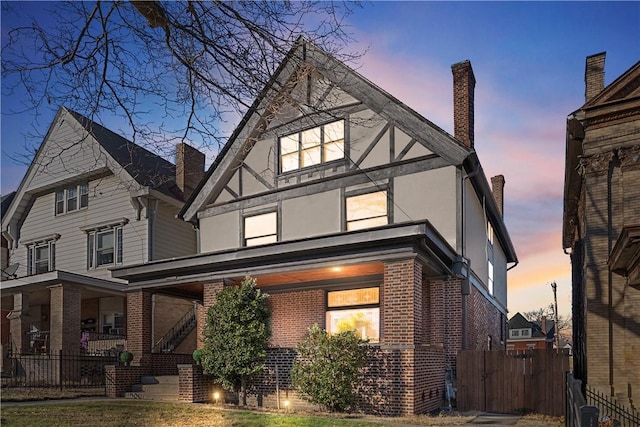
x: 613, y: 411
x: 177, y: 333
x: 62, y: 369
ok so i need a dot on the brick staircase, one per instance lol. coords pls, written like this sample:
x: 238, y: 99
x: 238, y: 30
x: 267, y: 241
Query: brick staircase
x: 159, y: 388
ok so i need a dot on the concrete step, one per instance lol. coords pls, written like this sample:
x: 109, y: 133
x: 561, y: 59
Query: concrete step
x: 159, y: 388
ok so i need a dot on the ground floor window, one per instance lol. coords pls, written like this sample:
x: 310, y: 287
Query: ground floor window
x: 355, y: 310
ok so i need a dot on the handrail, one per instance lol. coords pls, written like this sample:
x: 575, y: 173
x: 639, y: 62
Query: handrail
x: 178, y: 331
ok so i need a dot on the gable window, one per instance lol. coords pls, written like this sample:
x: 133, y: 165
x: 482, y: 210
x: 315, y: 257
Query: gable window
x: 72, y: 198
x: 41, y: 254
x: 515, y: 332
x: 261, y: 229
x: 490, y: 237
x: 355, y: 310
x: 105, y: 243
x: 310, y: 147
x: 366, y: 210
x: 525, y: 332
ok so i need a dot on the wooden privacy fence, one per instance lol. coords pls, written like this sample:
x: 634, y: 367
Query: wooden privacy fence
x: 512, y: 382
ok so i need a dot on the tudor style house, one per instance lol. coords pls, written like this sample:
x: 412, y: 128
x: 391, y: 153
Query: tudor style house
x: 601, y: 229
x: 90, y: 200
x: 351, y: 211
x: 527, y: 335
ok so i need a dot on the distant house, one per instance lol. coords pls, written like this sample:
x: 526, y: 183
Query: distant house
x: 351, y: 211
x: 526, y: 335
x: 601, y: 229
x: 90, y: 201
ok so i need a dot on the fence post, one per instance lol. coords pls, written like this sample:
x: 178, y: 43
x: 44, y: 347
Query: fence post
x: 588, y: 416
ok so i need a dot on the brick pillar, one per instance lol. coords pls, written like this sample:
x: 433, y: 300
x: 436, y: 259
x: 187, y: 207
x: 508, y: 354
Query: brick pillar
x: 65, y: 315
x: 402, y: 311
x: 209, y: 293
x: 19, y: 323
x: 139, y: 321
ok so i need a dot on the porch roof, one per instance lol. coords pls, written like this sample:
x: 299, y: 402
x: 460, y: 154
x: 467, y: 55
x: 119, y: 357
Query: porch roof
x: 38, y: 281
x: 406, y: 240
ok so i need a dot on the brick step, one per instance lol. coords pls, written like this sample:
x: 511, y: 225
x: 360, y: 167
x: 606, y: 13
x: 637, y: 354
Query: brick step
x: 159, y: 388
x: 159, y: 379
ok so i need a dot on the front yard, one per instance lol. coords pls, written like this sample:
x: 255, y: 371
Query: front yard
x: 107, y: 412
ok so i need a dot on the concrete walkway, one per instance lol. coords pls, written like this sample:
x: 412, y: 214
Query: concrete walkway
x: 495, y: 419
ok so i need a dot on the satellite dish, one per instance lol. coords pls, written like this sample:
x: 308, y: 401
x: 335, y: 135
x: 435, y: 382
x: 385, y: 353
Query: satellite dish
x: 10, y: 271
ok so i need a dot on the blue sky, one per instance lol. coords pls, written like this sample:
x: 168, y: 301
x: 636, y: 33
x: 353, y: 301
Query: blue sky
x: 528, y: 59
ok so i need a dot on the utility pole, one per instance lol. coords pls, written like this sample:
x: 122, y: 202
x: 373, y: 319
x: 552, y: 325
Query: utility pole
x: 554, y: 286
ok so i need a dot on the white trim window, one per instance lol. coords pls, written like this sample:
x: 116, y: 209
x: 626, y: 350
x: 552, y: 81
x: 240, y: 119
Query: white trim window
x: 310, y: 147
x: 41, y: 257
x: 260, y: 229
x: 355, y: 310
x: 72, y: 198
x: 104, y: 247
x: 367, y: 210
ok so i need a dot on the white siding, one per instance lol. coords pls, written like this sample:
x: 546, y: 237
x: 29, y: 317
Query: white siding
x: 172, y: 237
x: 311, y: 215
x: 108, y: 201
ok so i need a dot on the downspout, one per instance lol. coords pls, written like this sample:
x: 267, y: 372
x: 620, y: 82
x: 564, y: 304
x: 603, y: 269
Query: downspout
x: 464, y: 296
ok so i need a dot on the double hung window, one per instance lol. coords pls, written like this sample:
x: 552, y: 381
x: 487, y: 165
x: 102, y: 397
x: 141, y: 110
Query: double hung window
x: 310, y: 147
x: 72, y: 198
x: 104, y: 247
x: 41, y: 257
x: 261, y: 229
x: 367, y: 210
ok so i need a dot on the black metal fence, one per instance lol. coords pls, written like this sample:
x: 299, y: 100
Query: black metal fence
x: 60, y: 370
x: 612, y: 411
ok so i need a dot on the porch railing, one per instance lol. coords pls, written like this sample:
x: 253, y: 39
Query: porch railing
x: 97, y: 343
x: 38, y: 342
x: 612, y: 410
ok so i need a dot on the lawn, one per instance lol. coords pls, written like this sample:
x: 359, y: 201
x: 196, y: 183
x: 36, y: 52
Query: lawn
x: 74, y: 412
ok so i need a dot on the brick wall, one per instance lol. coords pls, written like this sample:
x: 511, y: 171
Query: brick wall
x: 167, y: 363
x: 401, y: 314
x: 209, y: 292
x: 119, y: 379
x: 293, y: 313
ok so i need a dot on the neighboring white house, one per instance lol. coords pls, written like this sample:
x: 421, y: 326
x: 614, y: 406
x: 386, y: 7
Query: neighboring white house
x: 90, y: 201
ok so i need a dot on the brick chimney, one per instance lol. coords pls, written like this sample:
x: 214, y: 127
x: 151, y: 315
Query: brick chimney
x: 189, y: 168
x: 497, y: 188
x: 594, y: 76
x: 464, y: 84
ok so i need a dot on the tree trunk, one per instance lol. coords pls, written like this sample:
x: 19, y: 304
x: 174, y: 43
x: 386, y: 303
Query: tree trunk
x: 243, y: 390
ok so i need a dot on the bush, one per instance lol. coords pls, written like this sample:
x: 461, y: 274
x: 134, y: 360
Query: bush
x: 197, y: 355
x: 126, y: 357
x: 329, y: 368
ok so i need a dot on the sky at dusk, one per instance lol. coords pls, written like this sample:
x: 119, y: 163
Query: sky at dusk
x: 528, y: 59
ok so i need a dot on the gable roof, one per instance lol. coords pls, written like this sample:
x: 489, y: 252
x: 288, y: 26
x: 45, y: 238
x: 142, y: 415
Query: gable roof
x: 255, y: 121
x: 141, y: 166
x: 519, y: 322
x: 623, y: 95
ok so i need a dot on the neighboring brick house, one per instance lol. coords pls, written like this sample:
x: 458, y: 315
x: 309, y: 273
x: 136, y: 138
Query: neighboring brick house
x: 90, y: 200
x: 349, y: 208
x: 526, y: 335
x: 601, y: 226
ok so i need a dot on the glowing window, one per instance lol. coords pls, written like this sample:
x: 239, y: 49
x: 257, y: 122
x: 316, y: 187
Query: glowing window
x: 355, y: 310
x: 367, y: 210
x: 311, y: 147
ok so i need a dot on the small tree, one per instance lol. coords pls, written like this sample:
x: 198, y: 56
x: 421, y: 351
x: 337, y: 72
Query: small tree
x: 236, y: 336
x: 329, y: 368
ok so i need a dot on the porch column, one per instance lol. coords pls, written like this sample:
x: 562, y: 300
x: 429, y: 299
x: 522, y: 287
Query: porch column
x: 65, y: 314
x: 19, y: 323
x: 139, y: 327
x: 209, y: 296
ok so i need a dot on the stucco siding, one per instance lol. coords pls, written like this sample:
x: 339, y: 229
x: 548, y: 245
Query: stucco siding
x: 312, y: 215
x: 220, y: 232
x: 428, y: 195
x: 475, y: 233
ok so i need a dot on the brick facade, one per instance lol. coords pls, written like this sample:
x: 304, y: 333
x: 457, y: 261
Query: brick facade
x: 139, y: 321
x: 293, y: 313
x: 119, y: 379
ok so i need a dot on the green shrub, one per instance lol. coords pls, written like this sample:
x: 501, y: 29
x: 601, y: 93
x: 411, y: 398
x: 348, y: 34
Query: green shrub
x: 329, y: 368
x: 197, y: 355
x: 126, y: 357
